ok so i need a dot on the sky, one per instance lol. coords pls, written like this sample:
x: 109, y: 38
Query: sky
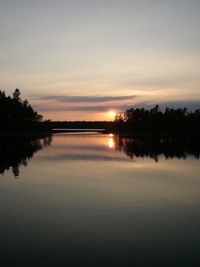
x: 79, y: 59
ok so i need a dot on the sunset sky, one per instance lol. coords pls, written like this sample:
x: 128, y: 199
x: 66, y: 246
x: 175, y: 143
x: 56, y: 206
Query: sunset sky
x: 79, y: 59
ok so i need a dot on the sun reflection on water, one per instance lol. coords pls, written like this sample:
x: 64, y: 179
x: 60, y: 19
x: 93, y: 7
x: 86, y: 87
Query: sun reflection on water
x: 110, y: 141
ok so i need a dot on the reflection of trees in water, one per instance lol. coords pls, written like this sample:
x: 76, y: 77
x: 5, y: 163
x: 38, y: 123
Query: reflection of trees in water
x: 16, y: 152
x: 154, y: 146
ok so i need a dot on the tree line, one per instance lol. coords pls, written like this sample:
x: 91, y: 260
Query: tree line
x: 17, y: 115
x: 81, y: 124
x: 141, y: 120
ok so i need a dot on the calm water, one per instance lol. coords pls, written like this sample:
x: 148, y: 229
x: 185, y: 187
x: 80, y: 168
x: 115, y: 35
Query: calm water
x: 99, y: 200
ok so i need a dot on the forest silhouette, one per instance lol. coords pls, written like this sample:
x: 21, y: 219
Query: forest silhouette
x: 141, y: 120
x: 19, y: 116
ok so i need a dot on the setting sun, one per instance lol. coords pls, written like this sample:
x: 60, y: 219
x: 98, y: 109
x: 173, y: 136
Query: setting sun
x: 111, y: 114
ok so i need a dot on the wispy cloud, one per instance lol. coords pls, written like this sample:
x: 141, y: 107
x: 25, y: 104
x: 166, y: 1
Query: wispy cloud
x: 190, y: 105
x: 84, y: 99
x: 43, y: 108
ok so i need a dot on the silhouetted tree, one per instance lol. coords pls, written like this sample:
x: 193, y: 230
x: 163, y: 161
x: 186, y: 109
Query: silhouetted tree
x: 18, y: 115
x: 16, y: 95
x: 155, y: 121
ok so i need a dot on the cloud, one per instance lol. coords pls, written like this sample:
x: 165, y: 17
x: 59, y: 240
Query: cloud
x: 85, y: 157
x: 43, y: 108
x: 190, y: 105
x: 85, y: 99
x: 87, y: 103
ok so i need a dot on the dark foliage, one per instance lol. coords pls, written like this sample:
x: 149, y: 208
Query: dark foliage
x: 155, y: 121
x: 17, y: 115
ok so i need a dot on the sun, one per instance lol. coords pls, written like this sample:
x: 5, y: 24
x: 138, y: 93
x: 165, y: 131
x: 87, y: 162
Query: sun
x: 111, y: 114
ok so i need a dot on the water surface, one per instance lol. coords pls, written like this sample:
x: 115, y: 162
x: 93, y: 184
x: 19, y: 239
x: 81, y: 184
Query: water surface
x: 99, y: 200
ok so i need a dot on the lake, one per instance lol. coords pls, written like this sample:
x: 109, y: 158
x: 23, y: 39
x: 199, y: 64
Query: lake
x: 91, y: 199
